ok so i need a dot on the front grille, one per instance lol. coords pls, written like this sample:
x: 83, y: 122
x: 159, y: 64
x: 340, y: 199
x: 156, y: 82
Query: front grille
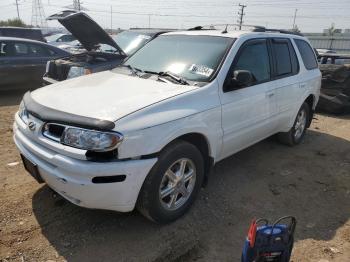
x: 53, y: 131
x: 58, y: 70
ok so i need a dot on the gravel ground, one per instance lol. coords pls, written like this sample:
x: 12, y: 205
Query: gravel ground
x: 310, y: 181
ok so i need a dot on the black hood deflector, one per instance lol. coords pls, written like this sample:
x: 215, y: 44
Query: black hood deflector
x: 52, y: 115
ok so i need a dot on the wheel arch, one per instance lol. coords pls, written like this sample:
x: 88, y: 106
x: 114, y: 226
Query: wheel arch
x: 311, y: 101
x: 201, y: 142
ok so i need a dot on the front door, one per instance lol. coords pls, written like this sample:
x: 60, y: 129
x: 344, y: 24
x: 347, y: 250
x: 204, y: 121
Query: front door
x: 247, y: 111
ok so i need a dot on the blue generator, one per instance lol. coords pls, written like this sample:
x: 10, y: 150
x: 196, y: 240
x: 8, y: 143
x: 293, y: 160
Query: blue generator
x: 269, y: 242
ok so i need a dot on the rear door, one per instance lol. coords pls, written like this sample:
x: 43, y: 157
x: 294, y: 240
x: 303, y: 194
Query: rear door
x: 37, y: 58
x: 13, y: 68
x: 286, y: 79
x: 310, y: 76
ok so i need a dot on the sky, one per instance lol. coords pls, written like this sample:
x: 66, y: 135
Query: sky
x: 311, y: 15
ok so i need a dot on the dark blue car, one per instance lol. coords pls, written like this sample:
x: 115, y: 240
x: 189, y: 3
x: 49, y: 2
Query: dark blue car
x: 23, y: 60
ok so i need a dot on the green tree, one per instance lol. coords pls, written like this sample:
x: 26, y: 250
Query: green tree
x: 13, y: 22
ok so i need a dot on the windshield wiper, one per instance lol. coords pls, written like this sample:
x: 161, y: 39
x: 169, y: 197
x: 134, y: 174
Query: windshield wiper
x: 133, y: 69
x: 173, y: 76
x: 177, y: 78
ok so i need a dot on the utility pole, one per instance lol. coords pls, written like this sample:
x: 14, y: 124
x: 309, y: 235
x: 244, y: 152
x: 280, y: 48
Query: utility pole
x: 76, y: 5
x: 295, y: 16
x: 17, y: 10
x: 241, y: 14
x: 38, y: 15
x: 149, y: 20
x: 111, y: 19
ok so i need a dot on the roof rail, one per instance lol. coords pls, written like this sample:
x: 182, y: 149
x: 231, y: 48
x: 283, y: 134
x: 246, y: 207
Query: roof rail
x: 253, y: 28
x: 263, y: 29
x: 213, y: 26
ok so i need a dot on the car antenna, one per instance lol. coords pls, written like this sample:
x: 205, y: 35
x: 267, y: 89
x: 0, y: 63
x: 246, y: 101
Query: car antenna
x: 225, y: 30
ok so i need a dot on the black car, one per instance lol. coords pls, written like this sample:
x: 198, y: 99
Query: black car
x: 97, y: 51
x: 21, y: 32
x: 24, y: 60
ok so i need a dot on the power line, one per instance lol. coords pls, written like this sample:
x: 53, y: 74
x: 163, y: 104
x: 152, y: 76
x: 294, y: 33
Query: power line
x: 241, y: 14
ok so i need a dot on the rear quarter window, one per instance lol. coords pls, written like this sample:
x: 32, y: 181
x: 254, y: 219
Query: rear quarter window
x: 307, y: 54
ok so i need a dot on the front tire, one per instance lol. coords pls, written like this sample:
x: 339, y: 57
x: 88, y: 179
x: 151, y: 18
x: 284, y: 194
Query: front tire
x: 173, y: 183
x: 296, y: 134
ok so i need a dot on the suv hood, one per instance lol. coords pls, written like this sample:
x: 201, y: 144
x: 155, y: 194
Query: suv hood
x: 106, y: 95
x: 85, y: 29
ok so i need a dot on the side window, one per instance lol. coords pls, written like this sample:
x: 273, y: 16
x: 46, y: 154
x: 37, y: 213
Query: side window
x: 38, y: 50
x: 71, y: 38
x: 67, y: 38
x: 51, y: 52
x: 4, y: 49
x: 21, y: 49
x: 307, y: 54
x: 283, y: 60
x: 254, y: 57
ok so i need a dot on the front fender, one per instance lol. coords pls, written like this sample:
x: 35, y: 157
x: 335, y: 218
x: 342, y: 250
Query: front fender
x: 151, y: 140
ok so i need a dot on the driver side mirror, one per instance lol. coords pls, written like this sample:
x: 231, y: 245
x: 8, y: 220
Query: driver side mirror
x: 240, y: 79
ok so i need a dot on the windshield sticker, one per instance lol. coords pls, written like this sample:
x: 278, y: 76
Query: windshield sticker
x: 201, y: 70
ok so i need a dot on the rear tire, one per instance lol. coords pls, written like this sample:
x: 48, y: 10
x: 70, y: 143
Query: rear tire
x: 296, y: 134
x: 172, y: 184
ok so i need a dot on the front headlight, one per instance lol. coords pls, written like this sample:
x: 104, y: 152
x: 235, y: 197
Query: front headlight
x: 23, y: 113
x: 90, y: 139
x: 75, y: 71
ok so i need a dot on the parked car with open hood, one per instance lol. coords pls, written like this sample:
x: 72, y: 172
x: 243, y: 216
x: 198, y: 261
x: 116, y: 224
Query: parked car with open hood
x: 147, y: 133
x: 102, y: 52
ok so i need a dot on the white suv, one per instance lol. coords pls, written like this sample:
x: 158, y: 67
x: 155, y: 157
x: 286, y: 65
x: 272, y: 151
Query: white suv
x: 147, y: 133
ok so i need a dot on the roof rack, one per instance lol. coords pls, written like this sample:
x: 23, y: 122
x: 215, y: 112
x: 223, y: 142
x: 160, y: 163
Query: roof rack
x: 213, y: 26
x: 253, y: 28
x: 263, y: 29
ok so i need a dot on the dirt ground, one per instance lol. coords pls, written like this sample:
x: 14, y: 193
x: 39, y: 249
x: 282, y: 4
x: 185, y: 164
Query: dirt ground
x: 310, y: 181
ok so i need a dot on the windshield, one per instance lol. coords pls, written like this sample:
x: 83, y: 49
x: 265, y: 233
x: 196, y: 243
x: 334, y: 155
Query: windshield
x: 131, y: 41
x: 193, y: 57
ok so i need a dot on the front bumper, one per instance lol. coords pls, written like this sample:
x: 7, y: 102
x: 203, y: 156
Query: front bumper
x: 72, y: 178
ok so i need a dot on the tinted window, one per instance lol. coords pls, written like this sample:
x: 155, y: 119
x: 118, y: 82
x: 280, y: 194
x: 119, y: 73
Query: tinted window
x: 4, y: 49
x: 255, y: 58
x: 68, y: 38
x: 21, y: 49
x: 38, y: 50
x: 307, y: 54
x: 282, y: 57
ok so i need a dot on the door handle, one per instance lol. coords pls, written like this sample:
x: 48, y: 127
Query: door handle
x: 270, y: 95
x: 303, y: 85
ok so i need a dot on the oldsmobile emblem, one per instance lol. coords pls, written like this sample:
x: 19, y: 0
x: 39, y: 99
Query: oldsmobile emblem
x: 31, y: 125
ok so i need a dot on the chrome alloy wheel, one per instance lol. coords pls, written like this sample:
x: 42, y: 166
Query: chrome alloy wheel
x: 177, y: 184
x: 300, y: 124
